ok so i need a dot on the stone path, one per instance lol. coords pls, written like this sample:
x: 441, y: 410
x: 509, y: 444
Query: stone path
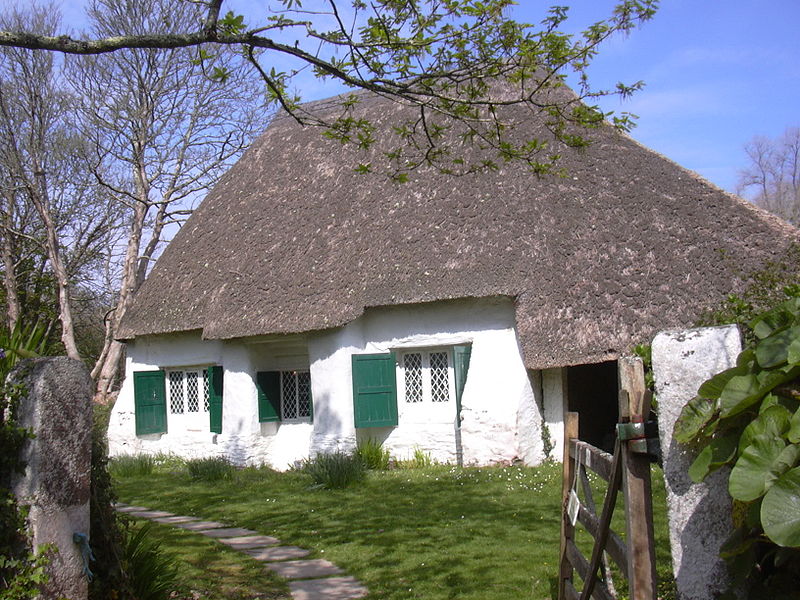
x: 309, y: 579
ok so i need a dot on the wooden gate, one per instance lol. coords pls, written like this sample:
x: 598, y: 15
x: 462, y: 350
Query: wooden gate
x: 627, y: 469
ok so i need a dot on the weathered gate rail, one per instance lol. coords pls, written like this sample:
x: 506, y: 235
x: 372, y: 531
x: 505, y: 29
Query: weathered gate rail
x: 629, y: 470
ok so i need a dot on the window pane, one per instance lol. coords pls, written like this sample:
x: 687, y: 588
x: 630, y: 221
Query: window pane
x: 440, y: 383
x: 192, y: 397
x: 304, y: 394
x: 176, y: 392
x: 412, y: 367
x: 205, y: 390
x: 289, y: 395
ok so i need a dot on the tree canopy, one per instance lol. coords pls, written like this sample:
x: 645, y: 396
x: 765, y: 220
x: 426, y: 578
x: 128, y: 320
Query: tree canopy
x: 443, y: 56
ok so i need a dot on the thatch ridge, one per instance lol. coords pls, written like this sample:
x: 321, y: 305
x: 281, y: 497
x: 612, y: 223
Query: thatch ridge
x: 293, y: 239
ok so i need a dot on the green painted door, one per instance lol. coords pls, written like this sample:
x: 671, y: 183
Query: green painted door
x: 150, y: 402
x: 374, y: 390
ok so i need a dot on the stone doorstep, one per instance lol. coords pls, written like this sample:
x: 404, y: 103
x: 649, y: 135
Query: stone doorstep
x: 127, y: 509
x: 175, y: 519
x: 276, y: 553
x: 332, y: 588
x: 305, y: 569
x: 248, y: 542
x: 200, y: 525
x: 150, y: 514
x: 228, y: 532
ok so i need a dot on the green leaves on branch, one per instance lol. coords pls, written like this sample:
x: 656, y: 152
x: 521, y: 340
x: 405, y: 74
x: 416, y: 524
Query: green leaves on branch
x: 748, y: 417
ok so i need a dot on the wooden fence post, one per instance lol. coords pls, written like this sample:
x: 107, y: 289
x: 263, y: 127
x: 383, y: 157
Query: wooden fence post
x: 633, y: 407
x: 567, y: 529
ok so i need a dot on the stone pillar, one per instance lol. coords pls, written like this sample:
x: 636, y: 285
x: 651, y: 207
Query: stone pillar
x: 699, y: 513
x: 56, y: 483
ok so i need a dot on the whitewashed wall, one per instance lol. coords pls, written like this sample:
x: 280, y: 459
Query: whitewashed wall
x: 501, y: 414
x: 501, y: 420
x: 554, y: 394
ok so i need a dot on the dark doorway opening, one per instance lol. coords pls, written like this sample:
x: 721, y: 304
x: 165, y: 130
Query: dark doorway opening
x: 592, y: 391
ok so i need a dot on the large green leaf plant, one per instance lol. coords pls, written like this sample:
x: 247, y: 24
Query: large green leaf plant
x: 748, y: 418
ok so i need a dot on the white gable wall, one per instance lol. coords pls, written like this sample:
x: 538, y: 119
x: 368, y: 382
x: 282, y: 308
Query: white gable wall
x: 501, y: 418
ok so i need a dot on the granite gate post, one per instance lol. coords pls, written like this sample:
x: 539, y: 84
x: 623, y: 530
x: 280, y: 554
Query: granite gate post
x: 699, y: 513
x: 56, y: 483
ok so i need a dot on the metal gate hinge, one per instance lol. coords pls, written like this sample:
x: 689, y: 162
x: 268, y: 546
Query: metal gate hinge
x: 630, y: 431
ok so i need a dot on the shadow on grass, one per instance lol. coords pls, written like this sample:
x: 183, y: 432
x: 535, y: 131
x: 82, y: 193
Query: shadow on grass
x: 212, y: 571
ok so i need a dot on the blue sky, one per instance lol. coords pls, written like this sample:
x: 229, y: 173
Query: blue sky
x: 717, y: 73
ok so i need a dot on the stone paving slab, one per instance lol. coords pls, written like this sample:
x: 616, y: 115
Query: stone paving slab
x: 333, y: 588
x: 305, y: 569
x: 200, y: 525
x: 248, y: 542
x: 227, y: 532
x: 278, y: 553
x: 128, y: 509
x: 175, y: 519
x: 150, y: 514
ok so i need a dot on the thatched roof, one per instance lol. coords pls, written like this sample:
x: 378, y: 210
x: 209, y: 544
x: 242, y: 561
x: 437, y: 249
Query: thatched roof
x: 293, y: 240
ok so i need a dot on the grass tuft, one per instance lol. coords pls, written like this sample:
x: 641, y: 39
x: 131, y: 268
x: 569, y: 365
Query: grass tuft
x: 131, y: 465
x: 151, y: 571
x: 373, y: 455
x: 335, y: 470
x: 419, y: 460
x: 210, y: 469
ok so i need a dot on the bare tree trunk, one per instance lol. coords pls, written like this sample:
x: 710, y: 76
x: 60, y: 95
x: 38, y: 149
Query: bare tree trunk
x: 39, y: 197
x: 106, y: 369
x: 9, y: 269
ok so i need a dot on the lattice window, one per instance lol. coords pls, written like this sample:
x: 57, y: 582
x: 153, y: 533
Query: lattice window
x: 186, y: 392
x: 426, y: 376
x: 412, y: 367
x: 205, y: 390
x: 295, y: 395
x: 289, y: 395
x: 176, y: 392
x: 440, y: 380
x: 304, y: 394
x: 192, y: 396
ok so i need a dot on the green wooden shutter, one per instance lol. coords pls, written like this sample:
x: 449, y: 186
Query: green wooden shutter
x: 374, y: 390
x: 215, y: 399
x: 461, y: 356
x: 150, y: 402
x: 268, y: 384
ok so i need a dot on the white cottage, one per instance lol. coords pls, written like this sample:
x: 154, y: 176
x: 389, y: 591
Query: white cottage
x: 305, y: 306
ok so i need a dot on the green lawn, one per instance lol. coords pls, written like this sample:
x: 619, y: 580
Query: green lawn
x: 435, y: 533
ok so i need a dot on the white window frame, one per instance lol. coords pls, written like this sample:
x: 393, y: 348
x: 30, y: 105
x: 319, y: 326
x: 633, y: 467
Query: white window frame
x: 195, y: 419
x: 284, y: 385
x: 425, y: 409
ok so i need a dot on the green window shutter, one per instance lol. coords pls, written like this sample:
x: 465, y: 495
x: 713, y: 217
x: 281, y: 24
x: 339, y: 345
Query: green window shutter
x: 374, y: 390
x: 215, y: 399
x: 150, y: 402
x: 461, y: 356
x: 268, y: 384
